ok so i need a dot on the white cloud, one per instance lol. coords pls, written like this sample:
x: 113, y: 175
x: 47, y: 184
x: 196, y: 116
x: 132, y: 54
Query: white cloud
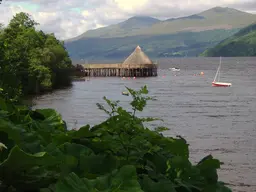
x: 131, y: 5
x: 70, y: 18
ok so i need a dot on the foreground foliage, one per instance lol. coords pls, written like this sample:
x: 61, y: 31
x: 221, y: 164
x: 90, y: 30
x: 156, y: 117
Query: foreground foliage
x: 38, y: 153
x: 30, y: 60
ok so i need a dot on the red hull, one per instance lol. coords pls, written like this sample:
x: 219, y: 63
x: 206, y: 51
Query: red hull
x: 220, y: 84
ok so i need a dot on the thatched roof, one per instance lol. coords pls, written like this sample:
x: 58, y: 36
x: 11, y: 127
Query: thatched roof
x: 137, y: 57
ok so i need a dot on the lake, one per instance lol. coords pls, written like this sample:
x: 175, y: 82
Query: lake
x: 217, y: 121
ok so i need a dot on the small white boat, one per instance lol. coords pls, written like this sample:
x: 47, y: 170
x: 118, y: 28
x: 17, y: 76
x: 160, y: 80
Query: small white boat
x: 218, y: 83
x: 125, y: 93
x: 174, y: 69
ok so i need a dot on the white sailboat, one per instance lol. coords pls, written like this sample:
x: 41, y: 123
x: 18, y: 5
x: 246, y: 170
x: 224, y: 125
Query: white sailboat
x: 217, y: 77
x: 174, y: 69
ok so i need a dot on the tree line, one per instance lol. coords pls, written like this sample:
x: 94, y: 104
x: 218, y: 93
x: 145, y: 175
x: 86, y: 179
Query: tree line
x: 31, y: 61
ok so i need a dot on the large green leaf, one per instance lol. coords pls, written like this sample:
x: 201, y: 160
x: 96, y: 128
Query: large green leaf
x: 12, y: 130
x: 83, y: 132
x: 82, y: 160
x: 72, y: 183
x: 123, y: 180
x: 163, y: 185
x: 52, y: 118
x: 28, y: 171
x: 9, y: 135
x: 208, y: 168
x: 172, y: 146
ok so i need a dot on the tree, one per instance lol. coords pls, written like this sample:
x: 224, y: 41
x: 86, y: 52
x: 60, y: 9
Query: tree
x: 17, y: 42
x: 31, y: 60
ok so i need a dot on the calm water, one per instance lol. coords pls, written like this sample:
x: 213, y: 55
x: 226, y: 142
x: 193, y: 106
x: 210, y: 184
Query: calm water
x: 220, y: 121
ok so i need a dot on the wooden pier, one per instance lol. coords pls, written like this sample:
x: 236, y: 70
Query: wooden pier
x: 136, y: 65
x: 120, y: 70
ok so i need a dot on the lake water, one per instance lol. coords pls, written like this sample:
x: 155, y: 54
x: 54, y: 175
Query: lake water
x: 220, y: 121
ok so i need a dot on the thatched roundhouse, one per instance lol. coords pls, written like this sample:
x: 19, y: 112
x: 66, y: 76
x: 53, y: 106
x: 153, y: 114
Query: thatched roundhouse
x: 138, y: 64
x: 138, y: 57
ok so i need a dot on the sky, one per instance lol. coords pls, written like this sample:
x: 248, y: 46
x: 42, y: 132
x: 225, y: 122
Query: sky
x: 70, y: 18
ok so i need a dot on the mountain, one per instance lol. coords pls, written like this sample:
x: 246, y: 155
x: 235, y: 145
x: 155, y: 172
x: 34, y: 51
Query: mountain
x: 215, y: 18
x: 188, y: 35
x: 241, y: 44
x: 121, y: 29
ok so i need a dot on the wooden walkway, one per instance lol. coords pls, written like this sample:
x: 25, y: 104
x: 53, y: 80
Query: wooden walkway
x: 120, y: 70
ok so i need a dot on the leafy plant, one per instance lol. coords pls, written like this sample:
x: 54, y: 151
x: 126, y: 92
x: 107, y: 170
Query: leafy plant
x: 120, y: 154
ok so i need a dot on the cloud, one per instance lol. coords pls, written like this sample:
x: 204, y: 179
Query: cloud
x: 250, y: 6
x: 70, y: 18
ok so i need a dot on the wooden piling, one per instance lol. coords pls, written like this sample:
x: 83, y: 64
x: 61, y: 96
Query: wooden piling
x: 119, y: 70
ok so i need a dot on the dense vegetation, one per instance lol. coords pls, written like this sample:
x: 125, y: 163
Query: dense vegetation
x: 38, y: 153
x: 30, y: 60
x: 242, y: 44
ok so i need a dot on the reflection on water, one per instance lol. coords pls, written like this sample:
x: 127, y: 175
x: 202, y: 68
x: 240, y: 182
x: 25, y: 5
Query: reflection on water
x: 220, y: 121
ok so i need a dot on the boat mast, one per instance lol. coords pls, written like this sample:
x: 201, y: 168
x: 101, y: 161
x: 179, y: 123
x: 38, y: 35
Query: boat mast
x: 219, y: 70
x: 215, y: 76
x: 217, y: 73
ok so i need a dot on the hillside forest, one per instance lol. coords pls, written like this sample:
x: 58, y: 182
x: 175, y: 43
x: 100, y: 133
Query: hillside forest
x: 242, y: 44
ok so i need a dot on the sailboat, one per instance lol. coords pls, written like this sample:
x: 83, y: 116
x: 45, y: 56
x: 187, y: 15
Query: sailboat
x: 217, y: 76
x: 174, y: 69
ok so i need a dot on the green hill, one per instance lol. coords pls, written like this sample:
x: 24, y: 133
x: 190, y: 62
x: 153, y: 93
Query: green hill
x: 173, y: 45
x: 215, y: 18
x: 240, y: 44
x: 119, y: 30
x: 182, y: 36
